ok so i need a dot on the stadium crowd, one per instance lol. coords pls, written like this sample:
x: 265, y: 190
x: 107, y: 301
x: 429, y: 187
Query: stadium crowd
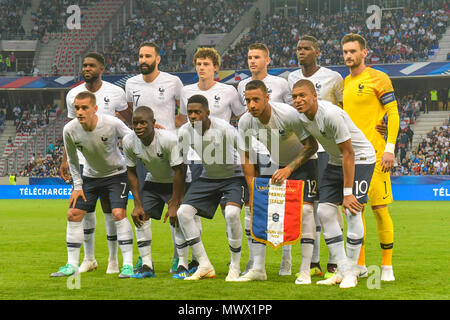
x: 171, y: 24
x: 29, y: 116
x: 51, y: 16
x: 11, y: 13
x: 406, y: 35
x: 47, y: 166
x: 431, y: 156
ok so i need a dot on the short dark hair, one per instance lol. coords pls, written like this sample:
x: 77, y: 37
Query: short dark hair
x: 310, y: 38
x: 198, y: 98
x: 256, y: 84
x: 350, y: 37
x: 147, y: 111
x: 304, y: 82
x: 86, y: 94
x: 151, y: 45
x: 97, y: 56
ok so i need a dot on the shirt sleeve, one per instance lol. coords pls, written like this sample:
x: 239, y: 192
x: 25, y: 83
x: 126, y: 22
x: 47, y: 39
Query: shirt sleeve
x: 339, y: 89
x: 340, y: 131
x: 122, y: 129
x: 72, y: 160
x: 236, y: 106
x: 130, y: 156
x: 287, y: 96
x: 183, y: 101
x: 174, y: 152
x: 70, y: 108
x: 128, y: 94
x: 177, y: 89
x: 241, y: 90
x: 245, y: 135
x: 385, y: 92
x: 121, y: 101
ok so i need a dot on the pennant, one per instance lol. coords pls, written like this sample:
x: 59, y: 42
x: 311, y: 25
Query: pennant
x: 276, y: 212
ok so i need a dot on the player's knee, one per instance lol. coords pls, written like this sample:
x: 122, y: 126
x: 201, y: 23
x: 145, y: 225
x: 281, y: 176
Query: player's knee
x: 327, y: 212
x: 308, y: 223
x: 232, y: 213
x: 119, y: 214
x: 75, y: 215
x: 185, y: 212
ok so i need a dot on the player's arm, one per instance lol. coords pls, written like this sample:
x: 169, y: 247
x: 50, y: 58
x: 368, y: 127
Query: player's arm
x: 310, y: 147
x: 127, y: 114
x: 248, y: 169
x: 348, y: 167
x: 180, y: 119
x: 174, y: 203
x: 387, y: 160
x: 64, y: 167
x: 74, y: 166
x: 138, y: 213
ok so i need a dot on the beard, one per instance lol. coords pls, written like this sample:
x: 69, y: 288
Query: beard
x: 150, y: 68
x: 92, y: 79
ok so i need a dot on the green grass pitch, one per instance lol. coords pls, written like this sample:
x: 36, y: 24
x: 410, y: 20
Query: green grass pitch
x: 32, y: 246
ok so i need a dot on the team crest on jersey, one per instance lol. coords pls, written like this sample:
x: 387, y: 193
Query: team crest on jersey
x: 161, y: 93
x: 104, y: 139
x: 106, y: 99
x: 318, y: 85
x: 269, y: 91
x: 360, y: 88
x: 216, y: 101
x: 159, y: 154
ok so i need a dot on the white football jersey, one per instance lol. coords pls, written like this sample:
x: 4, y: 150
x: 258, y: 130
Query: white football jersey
x: 110, y: 99
x: 161, y: 95
x: 332, y: 126
x: 159, y: 157
x: 100, y: 148
x: 282, y: 135
x: 217, y: 147
x: 277, y: 87
x: 329, y: 86
x: 223, y: 100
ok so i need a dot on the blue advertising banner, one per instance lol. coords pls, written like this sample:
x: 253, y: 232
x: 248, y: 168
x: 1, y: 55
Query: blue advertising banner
x: 412, y: 188
x: 408, y: 188
x: 37, y: 192
x: 46, y: 181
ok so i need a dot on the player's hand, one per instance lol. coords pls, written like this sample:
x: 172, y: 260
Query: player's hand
x: 64, y: 171
x: 381, y: 128
x: 172, y: 215
x: 280, y: 175
x: 76, y: 194
x: 350, y: 203
x: 138, y: 216
x: 387, y: 161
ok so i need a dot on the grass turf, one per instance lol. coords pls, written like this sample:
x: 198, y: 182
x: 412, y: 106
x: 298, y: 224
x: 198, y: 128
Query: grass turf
x: 32, y: 246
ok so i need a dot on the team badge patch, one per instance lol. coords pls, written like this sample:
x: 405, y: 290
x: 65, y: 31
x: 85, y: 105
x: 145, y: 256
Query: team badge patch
x: 276, y: 212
